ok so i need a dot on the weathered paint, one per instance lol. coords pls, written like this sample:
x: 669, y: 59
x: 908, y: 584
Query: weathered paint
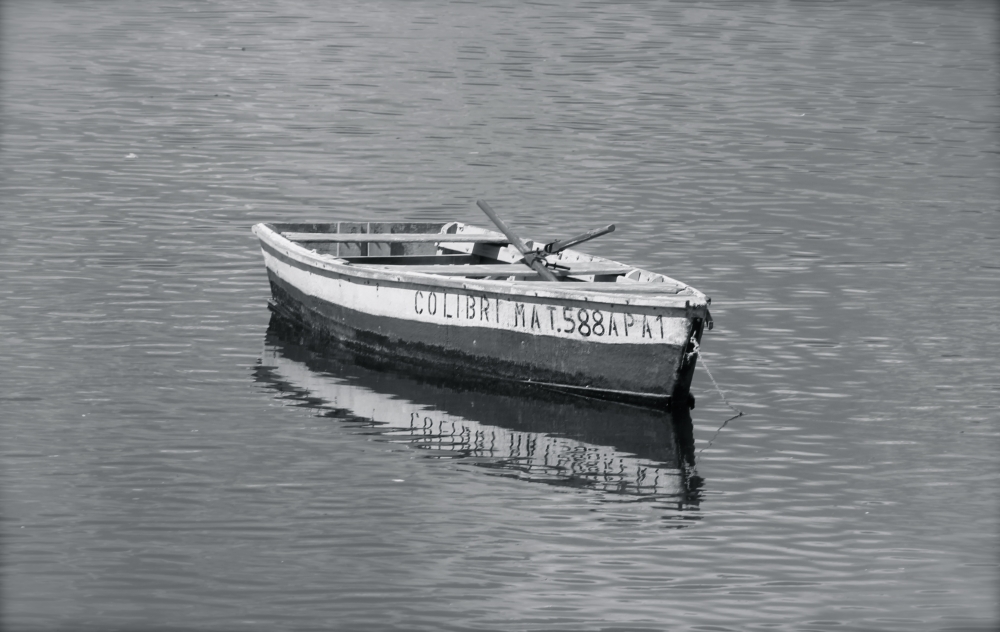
x: 691, y: 301
x: 595, y: 323
x: 610, y: 343
x: 485, y: 352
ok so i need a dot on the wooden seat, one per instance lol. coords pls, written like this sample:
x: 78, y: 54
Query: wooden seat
x: 397, y: 238
x: 516, y: 270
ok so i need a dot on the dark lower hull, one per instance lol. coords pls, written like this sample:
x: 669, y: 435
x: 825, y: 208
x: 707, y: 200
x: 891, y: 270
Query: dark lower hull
x: 646, y: 375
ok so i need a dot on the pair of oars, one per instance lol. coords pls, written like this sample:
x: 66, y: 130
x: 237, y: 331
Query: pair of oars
x: 535, y: 259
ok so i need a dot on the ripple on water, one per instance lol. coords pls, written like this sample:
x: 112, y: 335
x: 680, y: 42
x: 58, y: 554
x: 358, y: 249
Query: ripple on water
x: 825, y: 174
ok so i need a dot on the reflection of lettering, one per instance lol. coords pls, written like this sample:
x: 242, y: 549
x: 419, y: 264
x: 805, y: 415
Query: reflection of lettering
x: 416, y: 302
x: 425, y: 423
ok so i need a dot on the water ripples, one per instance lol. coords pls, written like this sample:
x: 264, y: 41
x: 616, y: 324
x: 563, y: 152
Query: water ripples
x: 826, y: 174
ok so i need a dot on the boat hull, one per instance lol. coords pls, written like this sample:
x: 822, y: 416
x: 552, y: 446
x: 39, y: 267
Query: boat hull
x: 640, y: 353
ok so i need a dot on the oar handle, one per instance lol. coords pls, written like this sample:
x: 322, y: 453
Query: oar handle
x: 529, y: 257
x: 508, y: 233
x: 563, y: 244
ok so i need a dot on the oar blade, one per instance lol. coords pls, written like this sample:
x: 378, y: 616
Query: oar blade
x: 562, y: 244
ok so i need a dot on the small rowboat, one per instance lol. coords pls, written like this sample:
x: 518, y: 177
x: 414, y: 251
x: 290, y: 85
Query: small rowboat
x: 484, y: 305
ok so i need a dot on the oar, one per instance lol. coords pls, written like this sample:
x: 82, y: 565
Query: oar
x: 531, y: 259
x: 562, y: 244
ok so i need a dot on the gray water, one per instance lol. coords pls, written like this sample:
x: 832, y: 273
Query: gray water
x: 825, y: 171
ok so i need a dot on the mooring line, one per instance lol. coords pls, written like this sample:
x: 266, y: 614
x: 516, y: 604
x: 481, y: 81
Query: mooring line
x: 697, y: 349
x: 739, y: 413
x: 710, y: 441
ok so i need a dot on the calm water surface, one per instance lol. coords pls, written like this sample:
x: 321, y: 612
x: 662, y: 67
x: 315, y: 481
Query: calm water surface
x: 826, y: 172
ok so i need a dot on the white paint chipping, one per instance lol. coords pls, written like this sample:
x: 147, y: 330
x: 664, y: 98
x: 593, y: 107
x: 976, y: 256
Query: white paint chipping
x: 463, y: 307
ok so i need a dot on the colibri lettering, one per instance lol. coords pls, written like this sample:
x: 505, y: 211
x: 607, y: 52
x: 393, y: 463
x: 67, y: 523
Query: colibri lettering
x: 578, y: 322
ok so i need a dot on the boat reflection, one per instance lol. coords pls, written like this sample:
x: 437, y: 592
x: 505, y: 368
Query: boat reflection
x: 624, y: 452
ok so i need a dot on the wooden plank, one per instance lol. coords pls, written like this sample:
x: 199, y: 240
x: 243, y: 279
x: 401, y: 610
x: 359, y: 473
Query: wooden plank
x: 413, y: 228
x: 468, y: 238
x: 378, y: 249
x: 406, y: 261
x: 353, y: 247
x: 495, y: 252
x: 635, y: 288
x: 503, y: 269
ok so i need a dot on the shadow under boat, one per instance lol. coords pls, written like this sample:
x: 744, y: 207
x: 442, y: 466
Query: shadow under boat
x: 630, y: 453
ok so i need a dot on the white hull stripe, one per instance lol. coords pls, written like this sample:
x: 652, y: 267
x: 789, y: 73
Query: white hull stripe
x: 473, y: 309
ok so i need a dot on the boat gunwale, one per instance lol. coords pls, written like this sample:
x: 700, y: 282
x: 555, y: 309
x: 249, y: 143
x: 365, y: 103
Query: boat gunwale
x: 529, y: 289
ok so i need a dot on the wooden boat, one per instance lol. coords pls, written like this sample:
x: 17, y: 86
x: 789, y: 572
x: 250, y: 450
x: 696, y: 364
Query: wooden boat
x: 486, y: 305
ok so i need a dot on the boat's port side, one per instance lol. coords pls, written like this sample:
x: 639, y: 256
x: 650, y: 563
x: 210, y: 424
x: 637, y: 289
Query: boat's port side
x: 481, y: 352
x: 575, y: 342
x: 463, y: 300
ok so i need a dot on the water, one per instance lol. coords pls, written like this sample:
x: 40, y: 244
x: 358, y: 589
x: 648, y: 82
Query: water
x: 825, y: 172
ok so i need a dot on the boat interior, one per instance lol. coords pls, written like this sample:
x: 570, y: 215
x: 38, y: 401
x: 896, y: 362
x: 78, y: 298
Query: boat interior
x: 460, y: 250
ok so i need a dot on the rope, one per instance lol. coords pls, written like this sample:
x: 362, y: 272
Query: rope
x: 697, y: 352
x: 739, y: 413
x: 712, y: 440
